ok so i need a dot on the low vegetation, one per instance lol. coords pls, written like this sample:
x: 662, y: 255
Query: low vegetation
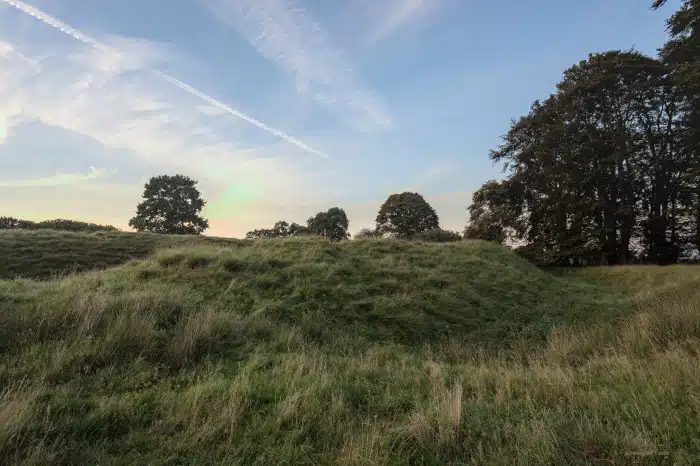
x: 42, y: 254
x: 306, y: 351
x: 11, y: 223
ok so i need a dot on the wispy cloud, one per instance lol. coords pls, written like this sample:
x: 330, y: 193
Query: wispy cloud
x: 399, y: 13
x: 131, y: 61
x: 110, y: 95
x: 288, y: 36
x: 56, y: 180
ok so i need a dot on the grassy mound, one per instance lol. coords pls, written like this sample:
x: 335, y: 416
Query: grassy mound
x: 364, y: 352
x: 42, y: 254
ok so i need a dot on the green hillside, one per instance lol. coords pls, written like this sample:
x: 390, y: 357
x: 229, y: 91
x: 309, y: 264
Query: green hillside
x: 361, y: 352
x: 45, y: 253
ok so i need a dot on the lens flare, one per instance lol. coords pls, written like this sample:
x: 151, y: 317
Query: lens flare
x: 234, y: 200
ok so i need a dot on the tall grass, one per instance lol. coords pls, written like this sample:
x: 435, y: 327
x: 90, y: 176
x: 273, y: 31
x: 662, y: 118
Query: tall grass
x: 305, y: 352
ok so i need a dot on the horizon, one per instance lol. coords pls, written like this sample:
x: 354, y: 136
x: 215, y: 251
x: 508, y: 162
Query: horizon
x: 279, y: 109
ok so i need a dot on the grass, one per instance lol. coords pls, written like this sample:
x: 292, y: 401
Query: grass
x: 43, y: 254
x: 365, y: 352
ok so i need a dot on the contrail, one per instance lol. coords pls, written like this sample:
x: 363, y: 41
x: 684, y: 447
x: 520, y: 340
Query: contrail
x: 92, y: 42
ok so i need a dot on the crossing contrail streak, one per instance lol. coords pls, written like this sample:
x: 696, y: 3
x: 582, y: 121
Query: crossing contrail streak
x: 92, y: 42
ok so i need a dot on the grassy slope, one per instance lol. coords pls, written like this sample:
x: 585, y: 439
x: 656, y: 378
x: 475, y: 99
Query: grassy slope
x: 45, y: 253
x: 365, y: 352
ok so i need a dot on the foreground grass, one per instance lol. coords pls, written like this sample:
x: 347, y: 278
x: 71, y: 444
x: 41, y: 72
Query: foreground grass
x: 367, y: 352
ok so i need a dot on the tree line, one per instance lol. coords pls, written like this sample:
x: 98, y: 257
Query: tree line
x: 606, y: 169
x: 173, y: 204
x: 12, y: 223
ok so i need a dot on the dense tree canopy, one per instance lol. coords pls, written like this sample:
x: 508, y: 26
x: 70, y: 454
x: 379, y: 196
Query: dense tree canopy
x: 332, y: 224
x: 281, y: 229
x: 491, y: 213
x: 405, y: 215
x: 171, y: 204
x: 607, y: 169
x: 682, y: 54
x: 597, y: 171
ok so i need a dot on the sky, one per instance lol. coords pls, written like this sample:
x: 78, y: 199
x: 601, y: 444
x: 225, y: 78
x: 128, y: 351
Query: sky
x: 280, y: 108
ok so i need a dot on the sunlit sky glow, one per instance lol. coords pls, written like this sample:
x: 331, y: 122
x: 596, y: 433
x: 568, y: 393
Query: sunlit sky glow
x: 279, y: 108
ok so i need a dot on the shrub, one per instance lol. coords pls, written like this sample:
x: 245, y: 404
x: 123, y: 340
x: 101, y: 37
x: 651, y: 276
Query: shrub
x: 11, y: 223
x: 73, y: 225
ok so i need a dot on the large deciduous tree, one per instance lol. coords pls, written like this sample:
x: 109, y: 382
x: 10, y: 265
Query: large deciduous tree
x: 493, y: 213
x: 332, y: 224
x: 682, y: 54
x: 405, y: 215
x: 171, y: 205
x: 597, y: 169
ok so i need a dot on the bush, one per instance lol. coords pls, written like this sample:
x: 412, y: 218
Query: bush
x: 11, y: 223
x: 8, y: 223
x: 438, y: 235
x: 73, y: 225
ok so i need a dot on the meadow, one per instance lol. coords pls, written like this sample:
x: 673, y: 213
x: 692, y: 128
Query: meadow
x: 127, y: 348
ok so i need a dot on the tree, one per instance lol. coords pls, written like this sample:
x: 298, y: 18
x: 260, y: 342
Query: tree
x: 493, y: 213
x: 595, y: 168
x: 682, y: 54
x: 9, y: 223
x: 405, y: 215
x: 332, y: 224
x: 281, y: 229
x: 171, y: 205
x: 298, y: 230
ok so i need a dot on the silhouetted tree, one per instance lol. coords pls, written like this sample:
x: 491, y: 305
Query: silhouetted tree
x: 682, y: 54
x: 405, y: 215
x: 493, y: 213
x: 595, y: 168
x: 171, y: 205
x: 281, y: 229
x: 332, y: 224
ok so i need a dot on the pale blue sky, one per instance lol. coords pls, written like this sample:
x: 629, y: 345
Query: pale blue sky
x: 280, y: 108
